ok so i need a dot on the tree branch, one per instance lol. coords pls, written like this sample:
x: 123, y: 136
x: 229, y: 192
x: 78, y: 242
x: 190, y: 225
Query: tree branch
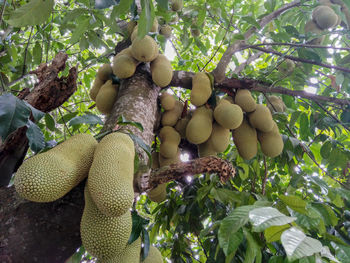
x: 297, y: 45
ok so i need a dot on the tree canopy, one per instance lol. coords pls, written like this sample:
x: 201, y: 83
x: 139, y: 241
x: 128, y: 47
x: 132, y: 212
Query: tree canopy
x: 291, y: 208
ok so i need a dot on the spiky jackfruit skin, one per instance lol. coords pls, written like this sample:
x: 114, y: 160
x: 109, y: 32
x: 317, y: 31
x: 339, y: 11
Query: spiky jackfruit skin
x: 176, y: 5
x: 111, y: 175
x: 181, y: 125
x: 165, y: 30
x: 167, y: 161
x: 228, y: 115
x: 124, y: 66
x: 158, y: 194
x: 277, y: 103
x: 48, y: 176
x: 271, y: 142
x: 144, y: 49
x: 206, y: 149
x: 104, y: 237
x: 170, y: 117
x: 261, y: 118
x: 324, y: 16
x: 245, y: 100
x: 246, y: 141
x: 170, y: 140
x: 106, y: 97
x: 286, y: 67
x: 154, y: 256
x: 199, y: 128
x: 105, y: 72
x: 219, y: 138
x: 311, y: 27
x: 201, y: 89
x: 162, y: 71
x: 167, y: 101
x: 96, y: 88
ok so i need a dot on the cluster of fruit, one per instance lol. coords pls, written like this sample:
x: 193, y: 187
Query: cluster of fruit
x: 106, y: 222
x: 323, y: 18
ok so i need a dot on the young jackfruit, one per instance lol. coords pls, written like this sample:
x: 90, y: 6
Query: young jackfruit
x: 144, y: 49
x: 201, y: 89
x: 276, y: 104
x: 261, y: 118
x: 48, y: 176
x: 325, y: 2
x: 228, y: 115
x: 154, y: 256
x: 168, y: 161
x: 200, y: 126
x: 170, y: 117
x: 105, y: 72
x: 131, y: 26
x: 157, y: 194
x: 96, y: 88
x: 219, y: 138
x: 246, y: 141
x: 111, y: 175
x: 162, y: 71
x: 245, y: 100
x: 167, y: 101
x: 106, y: 97
x: 324, y: 16
x: 124, y: 66
x: 312, y: 28
x: 271, y: 142
x: 181, y: 125
x: 154, y: 27
x: 286, y: 67
x: 195, y: 32
x: 206, y: 149
x: 170, y: 140
x: 165, y: 30
x: 104, y: 237
x: 176, y: 5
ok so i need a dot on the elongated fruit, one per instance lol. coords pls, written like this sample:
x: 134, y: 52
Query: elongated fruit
x: 271, y: 142
x: 246, y: 141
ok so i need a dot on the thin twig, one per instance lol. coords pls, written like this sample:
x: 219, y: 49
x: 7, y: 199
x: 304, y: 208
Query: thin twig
x: 25, y: 52
x: 2, y: 11
x: 298, y: 45
x: 247, y: 62
x: 263, y: 187
x: 177, y: 52
x: 65, y: 124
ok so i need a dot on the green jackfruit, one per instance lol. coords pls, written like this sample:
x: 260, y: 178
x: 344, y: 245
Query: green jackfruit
x: 324, y: 16
x: 246, y: 141
x: 201, y: 89
x: 162, y: 71
x: 206, y: 149
x: 277, y: 103
x: 195, y: 32
x: 158, y: 194
x: 165, y: 30
x: 271, y: 142
x: 181, y: 125
x: 48, y: 176
x: 131, y: 26
x: 261, y: 118
x: 167, y: 101
x: 167, y: 161
x: 124, y: 66
x: 219, y: 138
x: 170, y: 140
x: 106, y: 97
x: 155, y: 160
x: 199, y: 128
x: 125, y: 51
x: 145, y: 49
x: 325, y: 2
x: 105, y: 72
x: 286, y: 67
x: 155, y: 24
x: 154, y: 256
x: 312, y: 28
x: 96, y: 88
x: 170, y: 117
x: 111, y: 175
x: 228, y: 115
x: 104, y: 237
x: 176, y: 5
x: 245, y: 100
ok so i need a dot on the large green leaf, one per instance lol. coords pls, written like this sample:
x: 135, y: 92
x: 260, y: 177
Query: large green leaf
x: 274, y: 233
x: 295, y: 203
x: 264, y: 217
x: 297, y: 245
x: 342, y: 252
x: 35, y: 137
x: 86, y: 119
x: 33, y: 13
x: 253, y: 253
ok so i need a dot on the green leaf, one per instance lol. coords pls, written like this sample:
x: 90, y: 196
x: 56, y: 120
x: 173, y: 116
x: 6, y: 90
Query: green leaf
x: 146, y: 244
x: 86, y: 119
x: 50, y: 122
x: 295, y: 203
x: 297, y: 245
x: 67, y: 117
x: 122, y: 121
x: 138, y: 224
x: 163, y: 4
x: 326, y: 253
x: 304, y: 127
x: 37, y: 114
x: 82, y: 26
x: 342, y: 252
x: 146, y: 18
x: 253, y: 253
x: 264, y: 217
x: 225, y: 195
x: 102, y: 4
x: 251, y: 20
x: 35, y: 137
x: 326, y: 149
x: 142, y: 144
x: 123, y: 7
x: 37, y: 53
x: 14, y: 113
x: 33, y: 13
x: 274, y: 233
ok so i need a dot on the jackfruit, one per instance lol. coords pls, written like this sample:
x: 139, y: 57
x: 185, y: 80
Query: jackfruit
x: 220, y: 137
x: 246, y: 141
x: 124, y: 66
x: 277, y: 104
x: 157, y: 194
x: 134, y: 33
x: 170, y: 117
x: 245, y: 100
x: 104, y: 237
x: 48, y: 176
x: 228, y: 115
x: 325, y: 2
x: 167, y: 101
x: 168, y: 161
x: 105, y: 72
x: 130, y: 27
x: 261, y: 118
x: 154, y: 27
x: 165, y: 30
x: 155, y: 160
x: 181, y: 125
x: 201, y: 89
x: 206, y: 149
x: 162, y: 71
x: 286, y: 67
x: 154, y: 256
x: 199, y: 128
x: 96, y: 88
x: 144, y: 49
x: 106, y: 97
x: 170, y: 140
x: 271, y: 142
x: 311, y: 27
x: 324, y: 16
x: 176, y: 5
x: 111, y: 175
x: 125, y: 51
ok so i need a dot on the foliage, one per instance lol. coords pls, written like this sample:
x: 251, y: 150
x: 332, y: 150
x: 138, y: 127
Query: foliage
x: 292, y: 208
